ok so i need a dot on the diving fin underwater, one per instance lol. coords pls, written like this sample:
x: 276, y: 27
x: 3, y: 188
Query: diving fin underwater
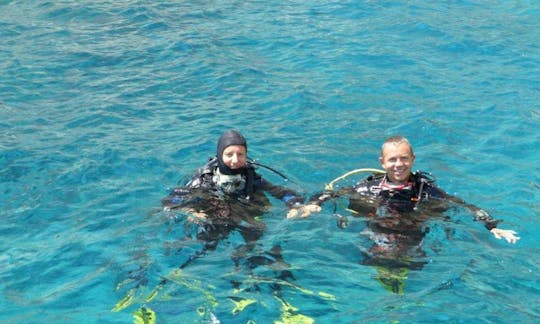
x: 239, y: 297
x: 144, y: 315
x: 392, y: 279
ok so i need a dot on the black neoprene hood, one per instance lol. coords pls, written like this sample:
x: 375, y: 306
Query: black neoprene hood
x: 230, y: 137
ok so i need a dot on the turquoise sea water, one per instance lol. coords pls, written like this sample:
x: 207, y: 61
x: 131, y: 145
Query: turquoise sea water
x: 105, y: 105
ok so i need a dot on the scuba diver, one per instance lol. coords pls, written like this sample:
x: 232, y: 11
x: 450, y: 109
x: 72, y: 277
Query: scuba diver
x: 228, y: 194
x: 397, y: 203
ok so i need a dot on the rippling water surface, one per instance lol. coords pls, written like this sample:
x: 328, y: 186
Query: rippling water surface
x: 105, y: 105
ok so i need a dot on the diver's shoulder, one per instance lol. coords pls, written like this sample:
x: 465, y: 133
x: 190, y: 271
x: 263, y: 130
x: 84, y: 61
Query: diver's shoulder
x: 369, y: 185
x: 425, y: 177
x: 374, y: 178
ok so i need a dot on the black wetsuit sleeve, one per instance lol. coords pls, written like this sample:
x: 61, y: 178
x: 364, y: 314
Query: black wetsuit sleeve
x: 177, y: 197
x: 288, y: 196
x: 479, y: 214
x: 325, y: 195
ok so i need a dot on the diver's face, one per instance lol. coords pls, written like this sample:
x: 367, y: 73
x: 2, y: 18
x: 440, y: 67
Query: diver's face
x: 397, y: 161
x: 234, y: 156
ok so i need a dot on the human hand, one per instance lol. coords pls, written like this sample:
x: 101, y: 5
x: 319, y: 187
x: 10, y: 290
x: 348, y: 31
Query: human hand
x: 195, y: 216
x: 303, y: 210
x: 509, y: 235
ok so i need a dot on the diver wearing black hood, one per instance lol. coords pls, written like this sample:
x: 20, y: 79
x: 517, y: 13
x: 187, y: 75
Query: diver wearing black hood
x: 228, y: 190
x: 225, y: 196
x: 231, y: 174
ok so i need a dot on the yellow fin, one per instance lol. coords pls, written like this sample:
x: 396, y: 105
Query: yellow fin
x: 240, y: 303
x: 125, y: 302
x: 144, y: 315
x: 290, y: 314
x: 295, y: 319
x: 154, y: 293
x: 326, y: 295
x: 392, y: 280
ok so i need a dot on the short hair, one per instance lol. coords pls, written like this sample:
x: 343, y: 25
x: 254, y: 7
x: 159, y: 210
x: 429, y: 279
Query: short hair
x: 395, y: 140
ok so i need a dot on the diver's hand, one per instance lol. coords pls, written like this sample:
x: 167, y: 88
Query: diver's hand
x: 195, y: 216
x: 509, y: 235
x: 303, y: 210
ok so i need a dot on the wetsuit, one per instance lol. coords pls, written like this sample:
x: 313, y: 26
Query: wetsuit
x: 397, y: 215
x: 235, y: 204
